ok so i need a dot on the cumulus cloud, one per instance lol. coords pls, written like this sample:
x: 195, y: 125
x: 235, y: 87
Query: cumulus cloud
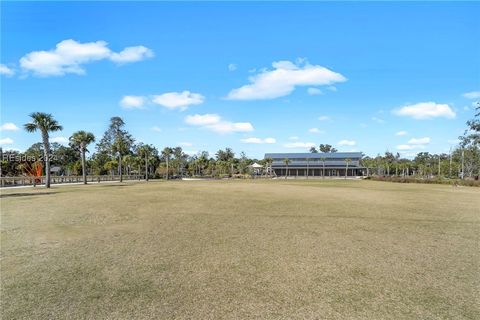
x: 6, y: 141
x: 132, y: 102
x: 472, y: 95
x: 6, y: 70
x: 401, y: 133
x: 414, y: 143
x: 131, y: 54
x: 259, y: 140
x: 283, y: 79
x: 424, y: 140
x: 426, y: 110
x: 9, y: 126
x: 304, y: 145
x: 68, y: 56
x: 180, y: 100
x: 202, y: 119
x: 314, y: 91
x: 61, y: 140
x: 228, y: 127
x: 324, y: 118
x: 215, y: 123
x: 404, y: 147
x: 347, y: 143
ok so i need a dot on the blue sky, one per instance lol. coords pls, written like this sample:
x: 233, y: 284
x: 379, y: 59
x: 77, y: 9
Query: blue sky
x: 257, y: 77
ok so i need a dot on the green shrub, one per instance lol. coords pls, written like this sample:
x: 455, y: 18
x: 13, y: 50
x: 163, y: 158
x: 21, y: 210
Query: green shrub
x: 447, y: 181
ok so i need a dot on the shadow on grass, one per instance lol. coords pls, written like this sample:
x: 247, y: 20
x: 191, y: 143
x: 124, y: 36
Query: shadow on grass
x: 28, y: 194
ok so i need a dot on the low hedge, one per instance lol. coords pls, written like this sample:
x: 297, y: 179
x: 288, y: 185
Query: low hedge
x: 458, y: 182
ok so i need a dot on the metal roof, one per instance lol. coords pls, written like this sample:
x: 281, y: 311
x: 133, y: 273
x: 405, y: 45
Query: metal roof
x: 310, y: 155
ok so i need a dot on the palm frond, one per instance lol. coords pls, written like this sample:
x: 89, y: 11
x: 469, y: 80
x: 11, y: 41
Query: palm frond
x: 30, y: 127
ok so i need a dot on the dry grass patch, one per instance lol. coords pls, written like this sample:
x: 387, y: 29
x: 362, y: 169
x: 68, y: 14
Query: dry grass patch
x: 241, y: 249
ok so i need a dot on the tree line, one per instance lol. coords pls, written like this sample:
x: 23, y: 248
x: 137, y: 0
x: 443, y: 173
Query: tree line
x: 117, y: 153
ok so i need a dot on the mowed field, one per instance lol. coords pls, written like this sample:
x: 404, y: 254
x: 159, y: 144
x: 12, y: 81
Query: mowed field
x: 241, y: 250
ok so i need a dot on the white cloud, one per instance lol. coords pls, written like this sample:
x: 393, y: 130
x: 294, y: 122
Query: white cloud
x: 61, y: 140
x: 232, y: 67
x: 6, y: 70
x: 215, y: 123
x: 401, y: 133
x: 227, y: 127
x: 324, y: 118
x: 186, y: 144
x: 426, y: 110
x: 314, y: 91
x: 378, y: 120
x: 182, y: 100
x: 9, y: 126
x: 416, y: 141
x: 156, y: 129
x: 202, y: 119
x: 131, y: 54
x: 283, y: 79
x: 315, y: 130
x: 404, y: 147
x: 304, y: 145
x: 5, y: 141
x: 69, y: 56
x: 472, y: 95
x: 132, y: 102
x: 259, y: 141
x: 347, y: 143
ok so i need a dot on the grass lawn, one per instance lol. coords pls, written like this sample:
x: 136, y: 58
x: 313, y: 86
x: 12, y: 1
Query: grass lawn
x: 241, y: 250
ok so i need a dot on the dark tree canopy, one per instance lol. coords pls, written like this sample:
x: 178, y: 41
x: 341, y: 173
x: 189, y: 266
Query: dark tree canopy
x: 472, y: 134
x: 327, y: 148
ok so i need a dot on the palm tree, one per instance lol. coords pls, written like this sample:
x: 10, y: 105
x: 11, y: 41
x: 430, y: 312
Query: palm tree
x: 166, y: 154
x: 111, y: 166
x: 45, y: 123
x: 80, y: 140
x: 287, y: 162
x: 145, y: 151
x: 347, y: 162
